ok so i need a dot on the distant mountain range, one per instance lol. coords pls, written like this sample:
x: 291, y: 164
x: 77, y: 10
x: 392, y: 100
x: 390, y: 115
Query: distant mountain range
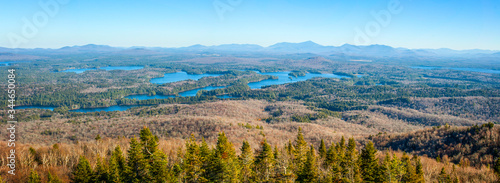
x: 308, y: 47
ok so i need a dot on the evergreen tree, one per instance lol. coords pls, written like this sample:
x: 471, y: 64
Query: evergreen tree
x: 300, y: 151
x: 410, y: 174
x: 350, y: 167
x: 246, y: 162
x: 309, y: 172
x: 444, y: 177
x: 53, y: 178
x: 100, y: 172
x: 34, y: 177
x: 205, y: 156
x: 418, y: 169
x: 290, y: 150
x: 264, y: 162
x: 331, y: 156
x: 117, y: 165
x: 82, y: 172
x: 137, y: 166
x: 159, y: 167
x: 369, y: 163
x: 192, y: 161
x: 149, y: 142
x: 224, y: 163
x: 322, y: 149
x: 397, y: 168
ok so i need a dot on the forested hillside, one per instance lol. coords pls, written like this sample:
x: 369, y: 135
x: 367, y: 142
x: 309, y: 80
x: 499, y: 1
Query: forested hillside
x: 467, y: 146
x: 146, y: 158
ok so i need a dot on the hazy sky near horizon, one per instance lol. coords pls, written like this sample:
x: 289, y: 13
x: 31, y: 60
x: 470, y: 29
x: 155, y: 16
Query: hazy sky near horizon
x: 456, y: 24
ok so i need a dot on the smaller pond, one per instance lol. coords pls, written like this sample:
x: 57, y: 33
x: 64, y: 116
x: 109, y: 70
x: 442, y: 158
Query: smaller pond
x: 35, y: 107
x: 179, y: 76
x: 284, y: 78
x: 106, y: 109
x: 78, y: 71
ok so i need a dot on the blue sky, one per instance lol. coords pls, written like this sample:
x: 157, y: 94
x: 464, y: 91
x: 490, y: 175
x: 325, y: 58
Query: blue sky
x: 175, y: 23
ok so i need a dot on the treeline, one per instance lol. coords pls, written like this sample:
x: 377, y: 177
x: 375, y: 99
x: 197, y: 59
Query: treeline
x: 296, y: 162
x: 466, y: 146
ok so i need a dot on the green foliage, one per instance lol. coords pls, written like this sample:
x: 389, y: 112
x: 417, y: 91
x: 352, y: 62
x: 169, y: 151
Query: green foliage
x: 82, y: 173
x: 309, y: 171
x: 369, y: 163
x: 34, y: 177
x: 264, y: 162
x: 246, y: 159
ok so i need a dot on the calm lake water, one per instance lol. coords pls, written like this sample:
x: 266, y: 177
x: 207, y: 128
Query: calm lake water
x: 106, y: 109
x: 284, y: 78
x: 179, y: 76
x: 35, y: 107
x: 460, y: 69
x: 109, y: 68
x: 78, y: 71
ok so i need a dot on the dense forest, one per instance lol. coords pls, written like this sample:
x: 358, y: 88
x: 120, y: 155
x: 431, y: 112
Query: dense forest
x: 143, y: 161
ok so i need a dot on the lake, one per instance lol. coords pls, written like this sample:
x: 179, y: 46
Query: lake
x: 109, y: 68
x: 35, y: 107
x: 284, y: 78
x: 460, y: 69
x: 107, y: 109
x: 179, y: 76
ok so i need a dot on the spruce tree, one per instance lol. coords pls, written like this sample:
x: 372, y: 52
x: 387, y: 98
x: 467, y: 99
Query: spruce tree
x: 397, y: 168
x: 205, y: 156
x: 410, y: 174
x: 264, y: 162
x: 350, y: 167
x: 246, y: 162
x: 82, y: 173
x: 322, y: 149
x: 149, y: 142
x: 100, y: 172
x: 369, y: 163
x: 117, y: 166
x: 224, y: 163
x: 192, y: 161
x: 159, y: 168
x: 137, y: 166
x: 418, y: 169
x: 444, y: 177
x: 52, y: 178
x: 34, y: 177
x: 300, y: 151
x: 309, y: 172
